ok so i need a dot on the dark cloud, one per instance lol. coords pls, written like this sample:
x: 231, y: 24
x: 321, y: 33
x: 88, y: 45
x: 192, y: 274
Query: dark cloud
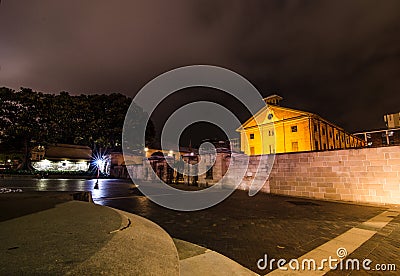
x: 339, y: 59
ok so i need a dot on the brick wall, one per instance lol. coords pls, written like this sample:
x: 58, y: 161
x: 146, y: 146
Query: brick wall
x: 370, y: 175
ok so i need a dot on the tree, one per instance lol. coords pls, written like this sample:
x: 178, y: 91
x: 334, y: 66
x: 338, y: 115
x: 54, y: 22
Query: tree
x: 108, y: 112
x: 22, y: 120
x: 28, y: 118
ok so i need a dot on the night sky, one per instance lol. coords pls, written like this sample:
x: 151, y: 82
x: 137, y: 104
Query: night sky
x: 339, y: 59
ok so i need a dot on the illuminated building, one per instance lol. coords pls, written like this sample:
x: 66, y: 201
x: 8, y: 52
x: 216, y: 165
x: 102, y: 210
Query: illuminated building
x: 61, y: 157
x: 156, y: 157
x: 276, y: 129
x: 392, y: 120
x: 381, y: 137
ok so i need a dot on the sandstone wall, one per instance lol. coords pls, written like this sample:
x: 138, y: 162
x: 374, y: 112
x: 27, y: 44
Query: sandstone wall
x: 370, y: 175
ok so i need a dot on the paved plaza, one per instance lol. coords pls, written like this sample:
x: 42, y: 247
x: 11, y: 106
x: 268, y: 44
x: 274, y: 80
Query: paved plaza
x: 245, y: 228
x: 241, y: 228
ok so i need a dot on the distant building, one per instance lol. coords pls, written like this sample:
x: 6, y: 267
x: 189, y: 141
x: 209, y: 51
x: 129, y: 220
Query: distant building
x: 383, y: 137
x: 61, y: 157
x: 181, y: 172
x: 235, y: 144
x: 149, y: 152
x: 276, y: 129
x: 392, y: 120
x: 119, y: 161
x: 380, y: 138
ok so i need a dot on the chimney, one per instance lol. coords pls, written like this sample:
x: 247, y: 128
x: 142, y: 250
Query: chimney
x: 273, y: 99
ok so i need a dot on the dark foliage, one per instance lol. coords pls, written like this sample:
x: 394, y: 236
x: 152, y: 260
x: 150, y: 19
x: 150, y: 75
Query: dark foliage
x: 29, y: 118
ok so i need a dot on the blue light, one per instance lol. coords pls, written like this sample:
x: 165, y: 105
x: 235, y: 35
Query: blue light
x: 101, y: 162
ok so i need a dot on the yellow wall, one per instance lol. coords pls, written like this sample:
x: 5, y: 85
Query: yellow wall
x: 278, y: 137
x: 312, y: 133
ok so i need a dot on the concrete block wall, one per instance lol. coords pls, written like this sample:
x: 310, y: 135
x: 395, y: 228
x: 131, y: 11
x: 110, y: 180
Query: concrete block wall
x: 369, y: 175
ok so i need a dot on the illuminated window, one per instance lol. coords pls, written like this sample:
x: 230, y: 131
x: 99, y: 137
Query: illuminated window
x: 294, y: 128
x: 251, y: 135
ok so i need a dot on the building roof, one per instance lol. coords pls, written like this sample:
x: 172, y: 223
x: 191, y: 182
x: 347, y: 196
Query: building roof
x: 273, y: 99
x: 70, y: 152
x: 260, y: 118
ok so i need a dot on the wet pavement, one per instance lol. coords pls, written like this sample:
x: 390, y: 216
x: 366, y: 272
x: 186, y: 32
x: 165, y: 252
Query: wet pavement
x: 242, y: 228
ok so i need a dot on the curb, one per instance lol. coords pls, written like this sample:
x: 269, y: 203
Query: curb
x: 138, y: 247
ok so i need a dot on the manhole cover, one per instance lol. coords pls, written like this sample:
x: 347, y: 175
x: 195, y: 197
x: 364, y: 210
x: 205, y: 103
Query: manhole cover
x: 309, y: 203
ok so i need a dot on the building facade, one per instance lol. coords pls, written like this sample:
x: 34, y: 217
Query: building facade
x: 392, y: 120
x: 380, y: 138
x: 61, y: 157
x: 276, y: 129
x: 156, y: 166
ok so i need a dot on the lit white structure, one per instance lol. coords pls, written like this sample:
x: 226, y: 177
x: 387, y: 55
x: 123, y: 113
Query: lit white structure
x: 61, y: 157
x: 47, y: 165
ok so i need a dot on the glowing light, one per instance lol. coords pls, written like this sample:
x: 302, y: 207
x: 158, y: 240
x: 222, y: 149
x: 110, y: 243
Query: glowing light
x: 82, y: 166
x: 9, y: 161
x: 66, y: 165
x: 45, y: 162
x: 102, y: 162
x: 99, y: 163
x: 146, y: 149
x: 43, y: 165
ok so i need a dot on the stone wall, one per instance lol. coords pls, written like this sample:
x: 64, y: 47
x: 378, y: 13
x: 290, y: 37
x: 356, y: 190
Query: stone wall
x: 369, y: 175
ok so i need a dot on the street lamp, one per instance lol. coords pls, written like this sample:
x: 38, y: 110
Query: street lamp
x: 99, y: 163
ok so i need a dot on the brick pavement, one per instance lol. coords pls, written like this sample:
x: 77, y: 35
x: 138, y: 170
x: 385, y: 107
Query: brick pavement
x: 245, y: 228
x: 382, y: 248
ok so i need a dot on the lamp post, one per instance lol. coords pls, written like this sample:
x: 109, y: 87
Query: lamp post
x: 99, y: 163
x: 96, y: 186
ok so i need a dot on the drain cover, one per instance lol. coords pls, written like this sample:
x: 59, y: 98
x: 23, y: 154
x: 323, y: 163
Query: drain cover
x: 309, y: 203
